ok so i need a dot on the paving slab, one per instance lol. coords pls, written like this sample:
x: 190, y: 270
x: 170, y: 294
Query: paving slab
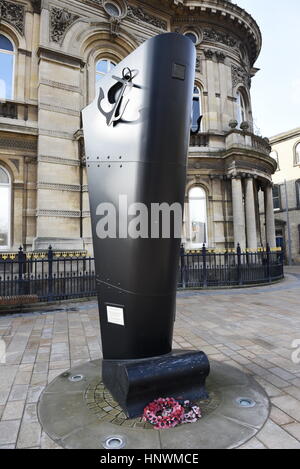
x: 253, y: 330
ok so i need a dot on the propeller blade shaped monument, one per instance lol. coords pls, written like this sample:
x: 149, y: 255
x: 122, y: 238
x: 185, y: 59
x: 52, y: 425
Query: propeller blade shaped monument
x: 137, y: 134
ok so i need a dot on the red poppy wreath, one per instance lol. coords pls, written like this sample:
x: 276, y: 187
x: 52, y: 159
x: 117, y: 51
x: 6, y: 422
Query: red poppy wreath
x: 168, y: 413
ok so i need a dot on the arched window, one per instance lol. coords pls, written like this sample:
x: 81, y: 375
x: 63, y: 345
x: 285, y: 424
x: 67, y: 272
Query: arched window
x: 7, y: 62
x: 192, y: 36
x: 297, y: 154
x: 274, y: 155
x: 198, y: 216
x: 103, y: 67
x: 241, y: 108
x: 196, y: 111
x: 5, y: 188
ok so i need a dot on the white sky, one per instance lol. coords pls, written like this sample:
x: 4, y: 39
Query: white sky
x: 276, y: 87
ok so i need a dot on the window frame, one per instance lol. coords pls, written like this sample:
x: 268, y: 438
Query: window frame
x: 199, y: 97
x: 276, y: 159
x: 102, y: 74
x: 9, y: 186
x: 297, y: 158
x: 242, y: 104
x: 277, y: 209
x: 197, y: 245
x: 13, y: 53
x: 297, y: 183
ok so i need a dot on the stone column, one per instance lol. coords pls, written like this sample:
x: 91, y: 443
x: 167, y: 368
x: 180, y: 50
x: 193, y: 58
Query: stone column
x: 238, y: 213
x: 270, y: 218
x: 251, y: 227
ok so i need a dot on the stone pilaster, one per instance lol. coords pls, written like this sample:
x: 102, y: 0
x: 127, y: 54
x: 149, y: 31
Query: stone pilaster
x: 238, y: 212
x: 251, y: 227
x: 270, y: 218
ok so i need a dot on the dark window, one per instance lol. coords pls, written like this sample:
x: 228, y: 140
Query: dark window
x: 196, y: 110
x: 298, y: 193
x: 276, y: 197
x: 192, y: 36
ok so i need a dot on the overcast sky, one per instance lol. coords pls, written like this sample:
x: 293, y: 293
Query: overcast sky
x: 276, y: 87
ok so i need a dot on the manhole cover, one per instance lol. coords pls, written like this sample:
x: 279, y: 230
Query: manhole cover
x: 102, y: 404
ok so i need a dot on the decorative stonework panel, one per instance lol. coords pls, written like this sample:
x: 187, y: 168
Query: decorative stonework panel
x: 18, y: 144
x: 216, y: 36
x: 58, y: 213
x: 59, y: 187
x: 139, y: 14
x: 13, y: 14
x: 60, y: 21
x: 239, y: 75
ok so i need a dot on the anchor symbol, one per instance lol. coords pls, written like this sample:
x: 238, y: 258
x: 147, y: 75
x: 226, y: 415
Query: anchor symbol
x: 117, y: 97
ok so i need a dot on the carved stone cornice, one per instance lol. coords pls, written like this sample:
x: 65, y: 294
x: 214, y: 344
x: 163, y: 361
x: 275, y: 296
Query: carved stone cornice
x: 60, y: 56
x: 140, y: 15
x: 59, y: 187
x: 60, y: 21
x: 212, y: 35
x: 14, y: 14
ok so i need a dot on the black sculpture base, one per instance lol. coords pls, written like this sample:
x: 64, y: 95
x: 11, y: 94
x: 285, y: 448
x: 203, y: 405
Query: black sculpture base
x: 136, y: 383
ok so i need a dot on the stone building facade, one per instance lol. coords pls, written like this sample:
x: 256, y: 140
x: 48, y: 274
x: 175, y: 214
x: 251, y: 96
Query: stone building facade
x: 53, y: 52
x: 286, y: 151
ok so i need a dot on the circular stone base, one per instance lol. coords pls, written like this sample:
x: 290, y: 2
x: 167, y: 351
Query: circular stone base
x: 77, y: 412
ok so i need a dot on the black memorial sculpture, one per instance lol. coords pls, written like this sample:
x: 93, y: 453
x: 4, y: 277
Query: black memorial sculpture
x: 137, y: 134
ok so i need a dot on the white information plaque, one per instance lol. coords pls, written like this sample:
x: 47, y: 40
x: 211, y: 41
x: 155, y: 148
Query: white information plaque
x: 115, y: 315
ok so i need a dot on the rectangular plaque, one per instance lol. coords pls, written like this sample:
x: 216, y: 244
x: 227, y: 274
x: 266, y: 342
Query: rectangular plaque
x: 178, y: 71
x: 115, y: 315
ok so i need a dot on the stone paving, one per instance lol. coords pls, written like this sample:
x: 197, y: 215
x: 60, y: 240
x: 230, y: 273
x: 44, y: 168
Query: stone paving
x: 251, y: 329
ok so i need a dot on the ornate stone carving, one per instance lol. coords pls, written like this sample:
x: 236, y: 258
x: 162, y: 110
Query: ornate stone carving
x: 59, y: 187
x: 239, y: 75
x: 58, y: 213
x: 216, y: 36
x: 36, y: 5
x: 60, y: 20
x: 220, y: 57
x: 13, y: 14
x: 208, y: 54
x: 139, y: 14
x: 18, y: 144
x: 198, y: 64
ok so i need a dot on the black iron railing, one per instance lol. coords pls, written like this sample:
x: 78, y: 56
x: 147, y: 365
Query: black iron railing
x: 49, y: 275
x: 214, y: 269
x: 54, y: 276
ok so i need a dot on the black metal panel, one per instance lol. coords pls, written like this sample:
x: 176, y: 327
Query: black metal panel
x: 136, y: 135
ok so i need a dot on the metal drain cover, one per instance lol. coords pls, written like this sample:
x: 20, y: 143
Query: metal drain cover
x: 114, y: 442
x: 246, y: 402
x: 76, y: 378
